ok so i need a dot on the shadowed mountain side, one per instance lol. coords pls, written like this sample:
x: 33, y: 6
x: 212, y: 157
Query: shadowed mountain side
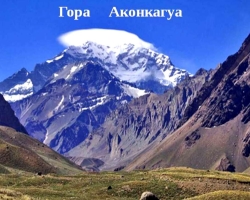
x: 8, y: 118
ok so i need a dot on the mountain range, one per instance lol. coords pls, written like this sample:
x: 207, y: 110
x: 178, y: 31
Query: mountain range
x: 65, y: 98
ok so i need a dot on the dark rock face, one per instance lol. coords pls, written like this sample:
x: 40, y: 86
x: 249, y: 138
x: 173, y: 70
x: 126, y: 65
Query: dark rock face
x: 119, y: 168
x: 233, y: 98
x: 225, y: 165
x: 246, y: 115
x: 8, y: 118
x: 246, y: 145
x: 192, y: 138
x: 227, y: 93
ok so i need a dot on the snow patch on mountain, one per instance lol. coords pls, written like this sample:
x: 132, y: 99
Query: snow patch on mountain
x: 56, y: 58
x: 73, y: 69
x: 15, y: 97
x: 99, y: 101
x: 49, y: 61
x: 66, y: 72
x: 55, y: 74
x: 46, y: 137
x: 19, y: 91
x: 133, y: 92
x: 22, y: 87
x: 59, y: 104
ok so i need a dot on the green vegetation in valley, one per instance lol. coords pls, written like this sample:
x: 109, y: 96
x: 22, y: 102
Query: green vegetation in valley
x: 171, y: 183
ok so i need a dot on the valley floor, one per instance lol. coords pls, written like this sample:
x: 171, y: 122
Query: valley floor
x: 171, y: 183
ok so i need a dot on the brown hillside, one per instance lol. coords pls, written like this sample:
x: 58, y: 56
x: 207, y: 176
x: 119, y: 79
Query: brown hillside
x: 21, y: 152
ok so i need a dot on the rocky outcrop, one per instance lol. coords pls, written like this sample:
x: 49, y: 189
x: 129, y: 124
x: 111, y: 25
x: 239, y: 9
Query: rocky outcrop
x: 148, y: 196
x: 246, y: 145
x: 192, y: 138
x: 89, y: 164
x: 230, y: 97
x: 225, y: 165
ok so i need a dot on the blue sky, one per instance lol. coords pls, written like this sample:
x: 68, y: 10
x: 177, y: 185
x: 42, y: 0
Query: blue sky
x: 207, y: 33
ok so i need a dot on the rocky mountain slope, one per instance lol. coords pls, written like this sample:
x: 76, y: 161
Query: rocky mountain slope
x: 72, y: 93
x: 17, y: 86
x: 20, y: 152
x: 72, y: 103
x: 135, y: 126
x: 214, y: 130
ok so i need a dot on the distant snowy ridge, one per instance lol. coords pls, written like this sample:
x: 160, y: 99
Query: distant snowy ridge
x: 19, y: 91
x: 56, y: 58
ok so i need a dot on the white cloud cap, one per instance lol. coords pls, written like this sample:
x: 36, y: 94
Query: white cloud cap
x: 105, y: 37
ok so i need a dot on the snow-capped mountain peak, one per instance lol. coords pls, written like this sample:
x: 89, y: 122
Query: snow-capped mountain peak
x: 130, y: 63
x: 123, y: 54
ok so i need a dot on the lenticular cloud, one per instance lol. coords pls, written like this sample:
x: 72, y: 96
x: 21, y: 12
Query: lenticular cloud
x: 106, y: 37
